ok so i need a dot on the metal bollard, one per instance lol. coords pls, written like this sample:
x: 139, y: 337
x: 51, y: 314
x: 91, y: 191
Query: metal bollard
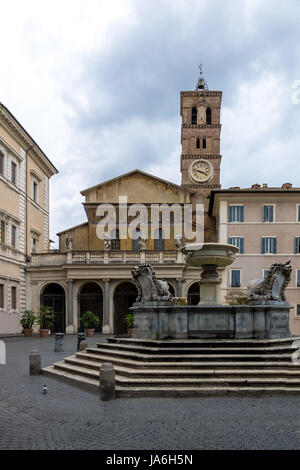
x: 80, y: 337
x: 107, y: 382
x: 83, y: 345
x: 35, y: 362
x: 59, y: 342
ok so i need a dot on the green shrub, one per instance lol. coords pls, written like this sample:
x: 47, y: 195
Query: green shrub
x: 90, y: 320
x: 28, y: 319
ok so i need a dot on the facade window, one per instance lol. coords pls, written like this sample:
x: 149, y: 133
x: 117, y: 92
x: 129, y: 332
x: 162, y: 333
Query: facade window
x: 13, y: 173
x: 34, y: 245
x: 236, y: 214
x: 204, y: 143
x: 297, y: 245
x: 13, y: 236
x: 159, y: 242
x: 35, y: 191
x: 208, y: 116
x: 266, y: 272
x: 2, y: 232
x: 14, y: 298
x: 1, y: 164
x: 239, y: 242
x: 268, y: 245
x: 269, y: 213
x: 194, y: 115
x: 198, y: 143
x: 115, y: 240
x: 298, y: 310
x: 1, y: 296
x: 235, y: 278
x: 298, y: 277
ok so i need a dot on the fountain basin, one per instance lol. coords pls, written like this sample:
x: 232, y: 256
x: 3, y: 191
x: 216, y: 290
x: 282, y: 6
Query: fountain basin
x: 217, y: 254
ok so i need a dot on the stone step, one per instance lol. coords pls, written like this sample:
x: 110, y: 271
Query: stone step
x: 87, y: 375
x: 189, y: 357
x: 174, y: 343
x: 187, y: 365
x: 126, y: 371
x: 196, y: 350
x: 86, y: 383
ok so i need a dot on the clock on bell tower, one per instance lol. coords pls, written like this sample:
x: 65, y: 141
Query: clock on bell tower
x: 200, y: 139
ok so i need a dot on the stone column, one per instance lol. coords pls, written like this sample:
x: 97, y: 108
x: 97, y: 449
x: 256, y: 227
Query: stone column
x: 70, y: 301
x: 179, y: 287
x: 105, y: 327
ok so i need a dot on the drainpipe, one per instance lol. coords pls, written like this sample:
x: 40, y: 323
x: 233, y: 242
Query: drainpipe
x: 26, y: 201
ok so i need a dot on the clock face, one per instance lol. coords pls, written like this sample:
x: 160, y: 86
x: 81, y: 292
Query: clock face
x: 201, y: 171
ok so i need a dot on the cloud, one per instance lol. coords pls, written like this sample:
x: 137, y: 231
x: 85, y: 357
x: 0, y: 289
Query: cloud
x: 98, y: 87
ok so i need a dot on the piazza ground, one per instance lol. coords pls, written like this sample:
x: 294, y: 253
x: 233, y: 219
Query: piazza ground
x: 70, y: 418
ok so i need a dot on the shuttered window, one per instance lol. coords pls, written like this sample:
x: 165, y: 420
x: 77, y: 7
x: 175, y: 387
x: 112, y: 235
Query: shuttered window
x: 269, y: 213
x: 1, y: 296
x: 239, y: 242
x: 236, y: 214
x: 1, y: 164
x: 298, y: 277
x: 13, y: 236
x: 13, y: 173
x: 268, y: 245
x: 2, y: 232
x: 14, y: 298
x: 298, y: 310
x: 297, y: 245
x: 235, y: 278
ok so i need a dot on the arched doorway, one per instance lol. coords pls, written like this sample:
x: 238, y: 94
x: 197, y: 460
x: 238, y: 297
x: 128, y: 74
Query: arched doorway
x: 125, y: 295
x: 171, y: 289
x: 91, y: 298
x: 54, y: 296
x: 193, y: 296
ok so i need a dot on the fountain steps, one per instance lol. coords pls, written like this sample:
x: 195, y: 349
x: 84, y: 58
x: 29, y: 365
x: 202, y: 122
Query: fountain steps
x: 157, y: 373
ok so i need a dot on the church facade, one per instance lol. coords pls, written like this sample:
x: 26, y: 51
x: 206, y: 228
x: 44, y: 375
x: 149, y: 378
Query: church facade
x: 88, y: 272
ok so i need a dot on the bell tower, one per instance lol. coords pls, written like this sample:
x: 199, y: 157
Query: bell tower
x: 200, y: 139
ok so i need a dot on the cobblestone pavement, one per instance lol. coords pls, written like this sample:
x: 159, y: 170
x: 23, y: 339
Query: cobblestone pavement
x: 70, y: 418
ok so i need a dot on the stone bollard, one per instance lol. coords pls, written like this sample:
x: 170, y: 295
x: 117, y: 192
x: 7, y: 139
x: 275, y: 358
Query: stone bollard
x: 107, y: 382
x: 80, y: 337
x: 35, y: 362
x: 59, y: 342
x: 83, y: 345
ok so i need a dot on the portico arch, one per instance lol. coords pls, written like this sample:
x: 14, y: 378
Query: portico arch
x: 90, y: 297
x: 125, y: 295
x: 53, y: 295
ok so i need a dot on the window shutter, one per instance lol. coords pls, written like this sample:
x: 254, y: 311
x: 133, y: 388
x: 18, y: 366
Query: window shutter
x: 263, y: 246
x: 265, y: 214
x: 230, y: 214
x: 242, y: 214
x: 241, y: 246
x: 230, y: 241
x: 274, y: 245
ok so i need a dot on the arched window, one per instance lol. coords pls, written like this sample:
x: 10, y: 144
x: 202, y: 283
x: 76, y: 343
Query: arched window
x: 194, y: 115
x: 204, y: 143
x: 197, y: 143
x: 115, y: 239
x: 159, y: 242
x: 208, y: 116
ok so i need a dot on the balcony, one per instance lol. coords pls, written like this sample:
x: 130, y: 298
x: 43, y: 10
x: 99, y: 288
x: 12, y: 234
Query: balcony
x: 106, y: 257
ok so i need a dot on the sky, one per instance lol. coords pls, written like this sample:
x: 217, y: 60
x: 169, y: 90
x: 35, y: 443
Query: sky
x: 97, y: 84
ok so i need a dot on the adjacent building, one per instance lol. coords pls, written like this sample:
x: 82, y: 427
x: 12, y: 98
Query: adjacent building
x: 25, y: 172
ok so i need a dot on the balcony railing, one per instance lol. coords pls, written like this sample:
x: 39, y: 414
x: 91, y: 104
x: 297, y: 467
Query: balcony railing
x: 107, y: 257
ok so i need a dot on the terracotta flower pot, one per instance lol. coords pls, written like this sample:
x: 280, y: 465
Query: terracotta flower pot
x: 90, y: 331
x: 27, y: 331
x: 44, y: 333
x: 130, y: 331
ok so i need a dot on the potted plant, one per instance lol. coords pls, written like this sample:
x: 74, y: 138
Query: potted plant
x: 27, y: 321
x: 45, y: 320
x: 129, y: 323
x: 90, y: 321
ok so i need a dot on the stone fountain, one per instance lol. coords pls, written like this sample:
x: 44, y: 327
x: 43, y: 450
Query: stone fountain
x: 158, y: 316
